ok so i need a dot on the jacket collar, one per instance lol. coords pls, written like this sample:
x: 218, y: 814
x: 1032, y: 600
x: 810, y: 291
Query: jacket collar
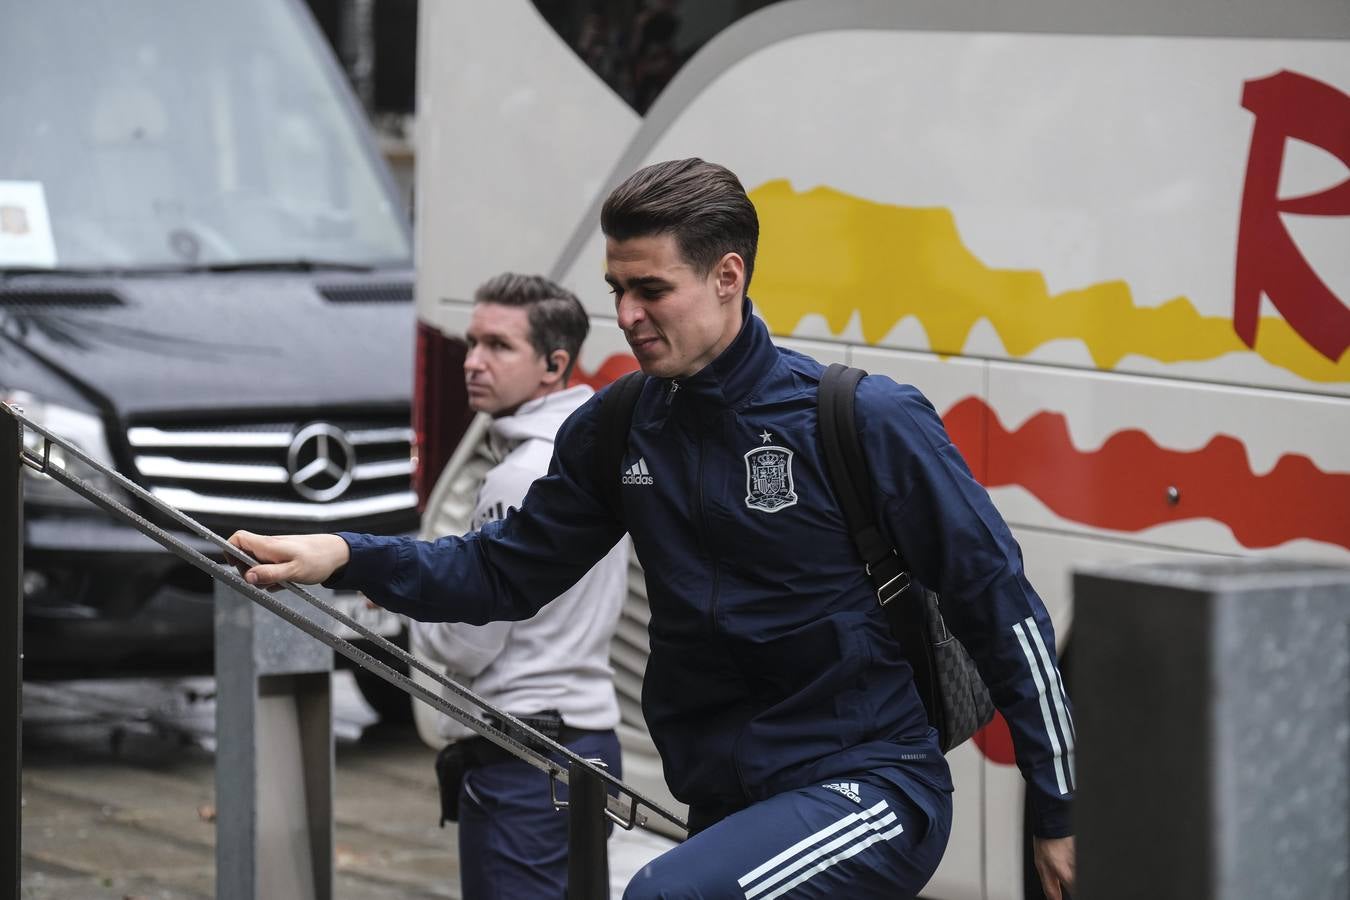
x: 730, y: 378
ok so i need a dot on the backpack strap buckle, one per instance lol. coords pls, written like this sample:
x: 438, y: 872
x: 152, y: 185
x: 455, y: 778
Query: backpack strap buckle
x: 885, y: 594
x: 892, y: 587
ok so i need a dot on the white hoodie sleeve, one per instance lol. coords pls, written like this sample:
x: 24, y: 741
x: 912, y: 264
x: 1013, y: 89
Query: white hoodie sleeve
x: 559, y: 658
x: 464, y: 649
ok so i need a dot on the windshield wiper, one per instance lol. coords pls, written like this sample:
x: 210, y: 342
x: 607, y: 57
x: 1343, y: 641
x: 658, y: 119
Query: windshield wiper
x: 281, y: 265
x: 68, y: 271
x: 299, y: 264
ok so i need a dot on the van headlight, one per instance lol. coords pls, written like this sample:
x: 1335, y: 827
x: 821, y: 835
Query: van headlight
x: 80, y: 428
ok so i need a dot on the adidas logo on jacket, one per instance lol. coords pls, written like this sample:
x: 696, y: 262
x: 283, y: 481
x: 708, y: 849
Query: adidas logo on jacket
x: 637, y: 473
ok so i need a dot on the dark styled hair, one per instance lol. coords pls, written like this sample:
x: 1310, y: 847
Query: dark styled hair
x: 701, y: 204
x: 557, y: 319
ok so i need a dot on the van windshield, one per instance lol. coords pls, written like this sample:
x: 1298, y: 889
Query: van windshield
x: 150, y: 134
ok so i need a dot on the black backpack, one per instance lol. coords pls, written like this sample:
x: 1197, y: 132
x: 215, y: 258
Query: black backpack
x: 953, y: 694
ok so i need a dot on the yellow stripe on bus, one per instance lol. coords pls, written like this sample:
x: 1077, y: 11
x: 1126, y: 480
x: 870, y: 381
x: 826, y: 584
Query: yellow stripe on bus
x: 828, y: 253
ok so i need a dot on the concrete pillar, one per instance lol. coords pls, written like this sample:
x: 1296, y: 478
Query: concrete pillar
x: 1213, y: 716
x: 274, y: 754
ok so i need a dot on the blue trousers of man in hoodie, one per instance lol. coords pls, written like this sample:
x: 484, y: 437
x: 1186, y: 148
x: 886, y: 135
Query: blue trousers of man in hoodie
x: 512, y: 842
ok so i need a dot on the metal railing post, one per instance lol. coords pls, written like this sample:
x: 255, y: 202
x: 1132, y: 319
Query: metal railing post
x: 11, y: 649
x: 274, y: 754
x: 587, y: 831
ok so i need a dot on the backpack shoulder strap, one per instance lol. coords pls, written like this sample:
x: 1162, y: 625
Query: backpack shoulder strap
x: 616, y: 418
x: 848, y: 474
x: 901, y: 599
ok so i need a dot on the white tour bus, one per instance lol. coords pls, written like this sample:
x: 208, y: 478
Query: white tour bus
x: 1058, y: 218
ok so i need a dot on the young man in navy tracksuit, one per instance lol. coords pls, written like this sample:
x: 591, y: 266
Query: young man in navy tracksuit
x: 783, y: 709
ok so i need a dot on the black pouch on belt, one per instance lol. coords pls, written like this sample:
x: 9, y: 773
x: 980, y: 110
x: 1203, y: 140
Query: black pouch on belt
x: 451, y: 764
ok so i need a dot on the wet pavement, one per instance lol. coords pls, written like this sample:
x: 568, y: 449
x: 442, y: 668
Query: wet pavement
x: 119, y: 797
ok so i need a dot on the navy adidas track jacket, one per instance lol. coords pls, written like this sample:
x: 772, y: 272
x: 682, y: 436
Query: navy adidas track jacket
x: 772, y: 666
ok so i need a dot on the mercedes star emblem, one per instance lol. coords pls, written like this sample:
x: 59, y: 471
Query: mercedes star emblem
x: 321, y: 460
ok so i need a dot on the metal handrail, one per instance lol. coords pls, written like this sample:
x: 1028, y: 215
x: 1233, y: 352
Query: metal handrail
x: 626, y: 815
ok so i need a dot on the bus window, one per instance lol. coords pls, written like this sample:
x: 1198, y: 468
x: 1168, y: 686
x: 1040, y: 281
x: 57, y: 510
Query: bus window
x: 637, y: 46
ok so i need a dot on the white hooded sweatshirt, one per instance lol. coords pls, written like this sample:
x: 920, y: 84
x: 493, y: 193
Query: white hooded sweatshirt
x: 559, y: 659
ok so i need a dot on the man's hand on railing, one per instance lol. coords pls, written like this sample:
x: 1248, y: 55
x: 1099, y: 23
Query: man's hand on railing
x: 300, y: 558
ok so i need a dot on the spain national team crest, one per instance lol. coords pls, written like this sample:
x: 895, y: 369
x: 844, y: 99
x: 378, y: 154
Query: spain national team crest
x: 768, y: 479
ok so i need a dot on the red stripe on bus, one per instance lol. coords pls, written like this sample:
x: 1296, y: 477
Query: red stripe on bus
x: 615, y: 366
x: 1124, y: 484
x: 1127, y: 483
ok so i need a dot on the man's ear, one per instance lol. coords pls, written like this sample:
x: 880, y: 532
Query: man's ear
x: 729, y: 275
x: 555, y: 365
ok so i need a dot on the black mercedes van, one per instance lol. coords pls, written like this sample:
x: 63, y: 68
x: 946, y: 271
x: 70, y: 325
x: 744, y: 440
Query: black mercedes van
x: 205, y: 282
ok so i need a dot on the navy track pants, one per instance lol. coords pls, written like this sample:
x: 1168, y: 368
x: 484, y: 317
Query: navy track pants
x: 857, y: 837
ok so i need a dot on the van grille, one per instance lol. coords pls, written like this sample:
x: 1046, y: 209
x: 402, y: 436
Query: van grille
x: 319, y: 471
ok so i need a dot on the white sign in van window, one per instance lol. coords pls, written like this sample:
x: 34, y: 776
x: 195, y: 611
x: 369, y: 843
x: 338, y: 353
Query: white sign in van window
x: 25, y: 228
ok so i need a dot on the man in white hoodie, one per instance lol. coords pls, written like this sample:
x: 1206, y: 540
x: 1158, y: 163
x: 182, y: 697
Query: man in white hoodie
x: 551, y: 670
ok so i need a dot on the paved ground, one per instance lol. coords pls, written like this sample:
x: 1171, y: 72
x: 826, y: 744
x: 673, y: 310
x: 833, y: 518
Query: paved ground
x: 119, y: 799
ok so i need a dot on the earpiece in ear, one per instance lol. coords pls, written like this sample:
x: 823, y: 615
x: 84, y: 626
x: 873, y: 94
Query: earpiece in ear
x: 552, y: 365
